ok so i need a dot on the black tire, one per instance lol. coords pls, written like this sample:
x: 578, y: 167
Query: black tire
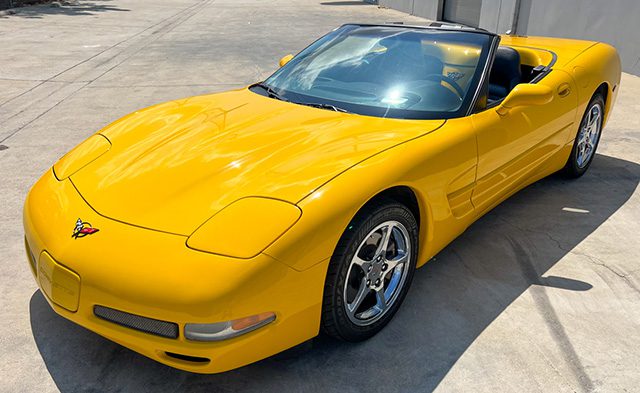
x: 335, y: 321
x: 572, y: 169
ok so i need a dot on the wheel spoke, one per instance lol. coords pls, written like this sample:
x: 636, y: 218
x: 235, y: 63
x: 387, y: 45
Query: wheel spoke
x: 381, y: 300
x: 594, y: 131
x: 363, y: 291
x: 393, y: 283
x: 359, y: 261
x: 593, y: 122
x: 582, y: 153
x: 384, y: 240
x: 394, y: 262
x: 583, y: 137
x: 584, y: 133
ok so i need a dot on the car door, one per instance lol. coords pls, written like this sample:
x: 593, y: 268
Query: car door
x: 513, y: 145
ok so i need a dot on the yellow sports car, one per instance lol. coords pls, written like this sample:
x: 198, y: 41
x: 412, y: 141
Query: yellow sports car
x: 213, y: 231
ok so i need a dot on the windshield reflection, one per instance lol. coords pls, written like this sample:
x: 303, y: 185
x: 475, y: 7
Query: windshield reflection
x: 386, y: 71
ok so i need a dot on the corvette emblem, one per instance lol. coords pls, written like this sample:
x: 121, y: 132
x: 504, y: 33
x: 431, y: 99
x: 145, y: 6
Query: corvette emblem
x: 83, y: 229
x: 455, y: 75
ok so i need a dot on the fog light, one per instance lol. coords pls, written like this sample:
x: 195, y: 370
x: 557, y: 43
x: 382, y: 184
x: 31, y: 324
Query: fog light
x: 226, y: 330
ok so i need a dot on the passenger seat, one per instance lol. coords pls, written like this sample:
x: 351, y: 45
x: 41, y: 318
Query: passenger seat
x: 505, y: 73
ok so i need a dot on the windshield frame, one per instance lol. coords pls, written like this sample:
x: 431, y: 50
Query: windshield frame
x: 466, y: 108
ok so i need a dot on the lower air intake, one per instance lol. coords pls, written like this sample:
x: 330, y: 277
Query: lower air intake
x: 147, y: 325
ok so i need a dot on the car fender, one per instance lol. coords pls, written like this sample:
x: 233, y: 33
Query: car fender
x: 438, y: 167
x: 597, y: 65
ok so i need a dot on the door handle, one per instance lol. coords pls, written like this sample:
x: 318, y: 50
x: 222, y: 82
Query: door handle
x: 564, y: 90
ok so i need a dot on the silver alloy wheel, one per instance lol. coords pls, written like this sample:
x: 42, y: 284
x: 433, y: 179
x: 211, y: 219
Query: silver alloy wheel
x: 377, y: 273
x: 589, y: 135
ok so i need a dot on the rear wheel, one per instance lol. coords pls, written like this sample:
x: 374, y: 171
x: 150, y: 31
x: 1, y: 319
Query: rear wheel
x: 370, y: 271
x: 586, y: 142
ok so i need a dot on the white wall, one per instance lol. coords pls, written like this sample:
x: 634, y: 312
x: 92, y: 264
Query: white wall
x: 616, y: 22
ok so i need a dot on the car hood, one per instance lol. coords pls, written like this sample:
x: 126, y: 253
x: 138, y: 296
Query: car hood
x: 174, y: 165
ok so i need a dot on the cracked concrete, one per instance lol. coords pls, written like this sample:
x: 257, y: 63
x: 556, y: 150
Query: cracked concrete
x: 593, y: 259
x: 541, y: 294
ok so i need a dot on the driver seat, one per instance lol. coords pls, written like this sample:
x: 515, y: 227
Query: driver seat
x: 505, y: 73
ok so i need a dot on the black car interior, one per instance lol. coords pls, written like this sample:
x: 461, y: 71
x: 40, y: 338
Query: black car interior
x: 508, y: 71
x: 505, y: 73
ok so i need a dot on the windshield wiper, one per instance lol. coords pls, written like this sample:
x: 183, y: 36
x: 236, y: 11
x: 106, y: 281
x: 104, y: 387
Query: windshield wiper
x: 323, y: 106
x: 270, y: 92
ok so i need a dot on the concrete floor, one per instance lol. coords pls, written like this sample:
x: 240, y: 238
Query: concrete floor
x: 533, y: 297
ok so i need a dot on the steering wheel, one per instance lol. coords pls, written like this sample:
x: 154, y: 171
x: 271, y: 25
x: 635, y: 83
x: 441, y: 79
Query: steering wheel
x: 449, y: 81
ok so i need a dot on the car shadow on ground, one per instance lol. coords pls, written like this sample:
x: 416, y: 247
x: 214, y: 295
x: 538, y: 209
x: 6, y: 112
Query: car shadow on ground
x: 72, y: 8
x: 453, y: 299
x: 343, y: 3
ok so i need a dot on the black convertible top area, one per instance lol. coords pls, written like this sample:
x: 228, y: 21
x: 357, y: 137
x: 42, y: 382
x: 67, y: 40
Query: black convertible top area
x: 443, y: 26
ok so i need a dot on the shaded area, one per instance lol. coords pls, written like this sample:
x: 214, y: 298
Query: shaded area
x: 454, y: 298
x: 345, y: 3
x: 69, y: 8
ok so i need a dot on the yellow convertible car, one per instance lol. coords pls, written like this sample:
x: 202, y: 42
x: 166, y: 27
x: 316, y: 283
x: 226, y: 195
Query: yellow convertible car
x: 213, y: 231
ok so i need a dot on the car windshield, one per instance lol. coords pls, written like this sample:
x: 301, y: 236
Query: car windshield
x: 385, y: 71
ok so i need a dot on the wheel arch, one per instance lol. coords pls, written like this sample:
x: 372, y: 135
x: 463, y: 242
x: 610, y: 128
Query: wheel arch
x: 597, y: 69
x: 402, y: 194
x: 417, y: 204
x: 604, y: 89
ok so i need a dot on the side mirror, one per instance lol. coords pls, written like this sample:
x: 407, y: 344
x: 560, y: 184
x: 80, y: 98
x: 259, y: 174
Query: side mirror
x: 285, y: 59
x: 525, y: 94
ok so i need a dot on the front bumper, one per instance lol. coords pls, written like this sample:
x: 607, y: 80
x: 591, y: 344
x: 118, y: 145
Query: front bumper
x: 154, y: 275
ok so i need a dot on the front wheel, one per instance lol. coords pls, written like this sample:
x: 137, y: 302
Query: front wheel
x: 370, y: 271
x: 586, y: 142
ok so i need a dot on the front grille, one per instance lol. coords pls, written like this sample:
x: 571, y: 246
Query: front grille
x: 143, y: 324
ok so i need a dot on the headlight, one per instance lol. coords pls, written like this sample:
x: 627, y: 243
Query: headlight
x: 226, y: 330
x: 245, y: 228
x: 80, y: 156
